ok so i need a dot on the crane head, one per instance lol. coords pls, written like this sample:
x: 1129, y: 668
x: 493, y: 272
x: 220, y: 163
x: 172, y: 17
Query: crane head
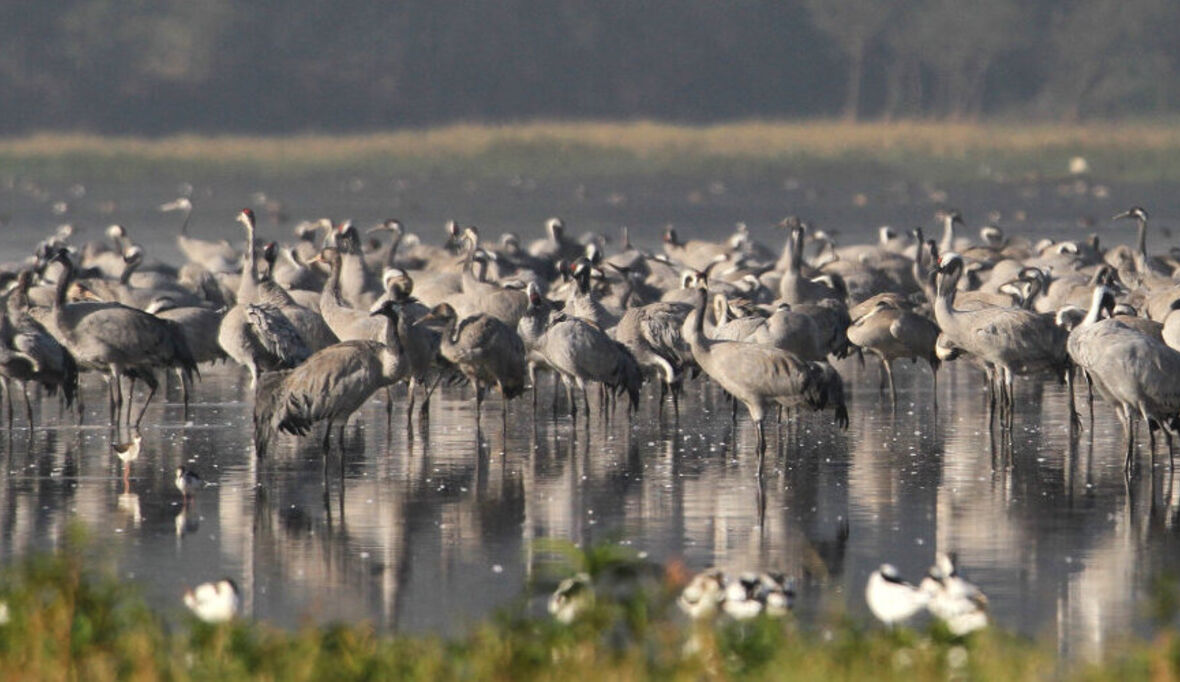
x: 387, y: 307
x: 1135, y: 212
x: 950, y: 216
x: 246, y: 217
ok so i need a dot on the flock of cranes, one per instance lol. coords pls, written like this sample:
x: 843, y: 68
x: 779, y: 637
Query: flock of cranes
x: 327, y: 320
x: 339, y: 314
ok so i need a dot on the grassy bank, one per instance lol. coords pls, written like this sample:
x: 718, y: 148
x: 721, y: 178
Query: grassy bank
x: 69, y: 622
x: 1145, y: 151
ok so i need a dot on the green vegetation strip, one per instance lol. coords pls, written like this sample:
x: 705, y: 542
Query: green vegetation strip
x: 69, y: 621
x: 1125, y: 150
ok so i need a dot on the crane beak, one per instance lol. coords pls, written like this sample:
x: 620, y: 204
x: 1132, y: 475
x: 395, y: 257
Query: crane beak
x: 1124, y: 214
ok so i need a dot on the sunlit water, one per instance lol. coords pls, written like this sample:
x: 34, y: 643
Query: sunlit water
x: 433, y: 529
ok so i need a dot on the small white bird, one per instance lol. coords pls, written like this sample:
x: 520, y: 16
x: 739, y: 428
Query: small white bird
x: 953, y: 599
x: 573, y: 597
x: 215, y: 602
x: 756, y: 593
x: 891, y: 599
x: 777, y: 592
x: 128, y: 452
x: 702, y: 597
x: 742, y: 597
x: 188, y: 481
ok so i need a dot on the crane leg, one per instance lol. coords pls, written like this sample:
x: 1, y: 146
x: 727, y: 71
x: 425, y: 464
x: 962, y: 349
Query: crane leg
x: 7, y: 399
x: 152, y: 386
x: 934, y: 390
x: 478, y: 401
x: 1128, y: 438
x: 892, y: 389
x: 1089, y: 396
x: 1010, y: 397
x: 1075, y: 420
x: 117, y: 387
x: 761, y: 445
x: 424, y: 411
x: 186, y: 383
x: 327, y: 444
x: 28, y: 406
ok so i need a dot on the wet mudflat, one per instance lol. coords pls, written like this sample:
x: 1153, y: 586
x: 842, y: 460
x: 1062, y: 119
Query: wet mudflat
x: 431, y: 530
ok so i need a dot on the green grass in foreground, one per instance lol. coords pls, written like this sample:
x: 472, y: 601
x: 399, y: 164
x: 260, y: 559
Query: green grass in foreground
x: 1130, y: 151
x: 69, y: 622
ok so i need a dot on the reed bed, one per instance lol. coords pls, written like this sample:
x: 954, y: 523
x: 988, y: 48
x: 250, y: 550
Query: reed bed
x: 1142, y: 150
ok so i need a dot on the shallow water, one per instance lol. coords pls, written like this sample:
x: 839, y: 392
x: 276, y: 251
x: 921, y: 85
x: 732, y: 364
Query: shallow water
x: 432, y: 531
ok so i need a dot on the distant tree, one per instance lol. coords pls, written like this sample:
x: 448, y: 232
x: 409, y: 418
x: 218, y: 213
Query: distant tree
x: 854, y: 25
x: 959, y: 41
x: 1110, y: 56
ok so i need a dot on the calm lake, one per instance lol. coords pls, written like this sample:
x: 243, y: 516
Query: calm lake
x: 434, y: 529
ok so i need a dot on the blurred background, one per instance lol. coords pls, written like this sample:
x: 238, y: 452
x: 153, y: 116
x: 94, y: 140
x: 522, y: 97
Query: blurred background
x: 276, y: 66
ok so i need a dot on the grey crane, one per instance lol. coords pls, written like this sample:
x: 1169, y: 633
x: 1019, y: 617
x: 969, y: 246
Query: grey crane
x: 1009, y: 341
x: 579, y: 351
x: 794, y: 287
x: 1137, y: 374
x: 118, y: 340
x: 754, y: 374
x: 346, y: 322
x: 891, y: 332
x: 654, y: 335
x: 485, y: 350
x: 214, y: 256
x: 583, y: 300
x: 531, y: 329
x: 1146, y: 267
x: 557, y: 246
x: 479, y: 297
x: 31, y: 353
x: 359, y: 285
x: 257, y: 333
x: 194, y: 323
x: 330, y: 386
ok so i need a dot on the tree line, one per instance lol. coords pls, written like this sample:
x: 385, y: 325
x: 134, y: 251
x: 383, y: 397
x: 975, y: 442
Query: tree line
x: 124, y: 66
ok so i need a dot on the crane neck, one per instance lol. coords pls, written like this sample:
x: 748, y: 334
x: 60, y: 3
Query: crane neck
x: 1142, y: 239
x: 1094, y: 313
x: 128, y: 269
x: 393, y: 246
x: 696, y: 331
x: 63, y: 285
x: 332, y: 286
x: 948, y: 233
x: 249, y: 283
x: 944, y: 298
x: 795, y: 243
